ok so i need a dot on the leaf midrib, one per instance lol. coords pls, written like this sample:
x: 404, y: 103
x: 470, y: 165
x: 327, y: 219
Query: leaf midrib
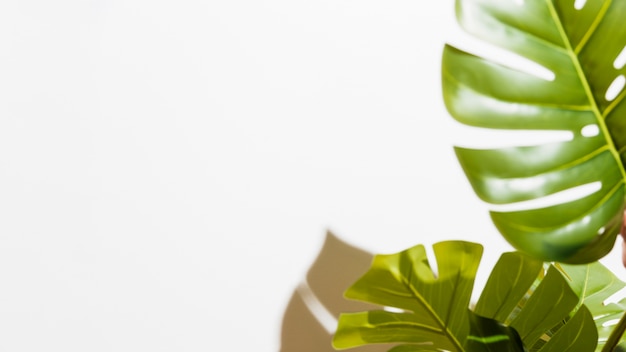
x: 596, y: 21
x: 431, y: 311
x: 583, y: 78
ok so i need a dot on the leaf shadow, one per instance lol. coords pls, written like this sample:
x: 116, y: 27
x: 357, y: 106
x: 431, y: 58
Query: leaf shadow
x: 310, y: 318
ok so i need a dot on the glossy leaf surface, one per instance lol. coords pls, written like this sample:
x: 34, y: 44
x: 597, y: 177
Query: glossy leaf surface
x: 430, y: 310
x: 580, y: 48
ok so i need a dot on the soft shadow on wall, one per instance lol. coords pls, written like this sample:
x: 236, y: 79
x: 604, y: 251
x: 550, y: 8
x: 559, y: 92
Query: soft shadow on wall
x: 312, y: 312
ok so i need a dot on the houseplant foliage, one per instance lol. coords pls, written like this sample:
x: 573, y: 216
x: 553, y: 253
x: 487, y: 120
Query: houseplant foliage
x: 552, y: 295
x: 523, y: 307
x: 583, y: 47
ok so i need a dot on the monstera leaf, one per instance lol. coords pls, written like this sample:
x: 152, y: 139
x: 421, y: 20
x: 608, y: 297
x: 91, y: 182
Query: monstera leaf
x: 429, y: 312
x: 433, y: 310
x: 594, y: 284
x: 584, y: 48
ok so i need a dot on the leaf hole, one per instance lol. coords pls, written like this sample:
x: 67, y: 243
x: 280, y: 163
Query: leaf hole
x: 432, y: 260
x: 488, y: 138
x: 590, y: 130
x: 615, y: 88
x: 615, y: 298
x: 620, y: 60
x: 394, y: 310
x: 609, y: 323
x: 601, y: 231
x: 468, y: 43
x: 569, y: 195
x: 579, y: 4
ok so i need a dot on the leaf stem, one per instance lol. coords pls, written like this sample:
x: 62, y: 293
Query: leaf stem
x: 616, y: 335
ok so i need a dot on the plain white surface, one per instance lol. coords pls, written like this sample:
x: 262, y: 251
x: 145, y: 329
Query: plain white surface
x: 168, y: 168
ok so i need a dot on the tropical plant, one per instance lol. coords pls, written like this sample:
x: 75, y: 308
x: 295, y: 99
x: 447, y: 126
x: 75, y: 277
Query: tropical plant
x: 582, y: 43
x: 535, y: 300
x: 523, y: 307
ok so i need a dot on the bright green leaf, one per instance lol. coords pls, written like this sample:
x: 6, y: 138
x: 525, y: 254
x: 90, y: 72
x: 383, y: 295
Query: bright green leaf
x: 434, y: 307
x: 521, y: 306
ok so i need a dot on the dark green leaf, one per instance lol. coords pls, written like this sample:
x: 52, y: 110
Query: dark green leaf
x: 510, y: 280
x: 488, y: 335
x: 578, y: 335
x: 579, y: 47
x: 551, y: 303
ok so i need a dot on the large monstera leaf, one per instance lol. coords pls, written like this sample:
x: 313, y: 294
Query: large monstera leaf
x: 584, y: 49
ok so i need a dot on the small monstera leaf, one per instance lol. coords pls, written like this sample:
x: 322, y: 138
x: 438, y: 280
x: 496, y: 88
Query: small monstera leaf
x: 540, y: 306
x: 584, y: 49
x: 594, y: 284
x: 430, y: 310
x: 522, y: 308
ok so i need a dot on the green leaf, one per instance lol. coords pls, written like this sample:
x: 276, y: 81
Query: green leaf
x: 537, y: 306
x: 594, y: 284
x: 579, y: 46
x: 488, y: 335
x: 550, y: 304
x: 509, y: 283
x: 522, y: 307
x: 578, y: 335
x: 433, y: 307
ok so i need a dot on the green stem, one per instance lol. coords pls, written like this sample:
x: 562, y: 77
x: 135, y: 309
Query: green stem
x: 616, y: 335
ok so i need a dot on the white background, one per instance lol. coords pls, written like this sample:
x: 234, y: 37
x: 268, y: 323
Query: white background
x: 168, y: 169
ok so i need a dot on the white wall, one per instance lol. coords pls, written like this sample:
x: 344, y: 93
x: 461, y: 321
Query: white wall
x: 168, y: 168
